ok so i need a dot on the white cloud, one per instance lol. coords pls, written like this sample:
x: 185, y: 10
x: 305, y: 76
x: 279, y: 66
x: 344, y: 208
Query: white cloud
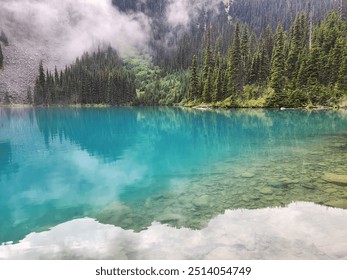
x: 178, y: 13
x: 182, y: 12
x: 67, y: 28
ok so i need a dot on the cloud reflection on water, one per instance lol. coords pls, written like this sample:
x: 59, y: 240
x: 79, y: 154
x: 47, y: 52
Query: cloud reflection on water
x: 299, y: 231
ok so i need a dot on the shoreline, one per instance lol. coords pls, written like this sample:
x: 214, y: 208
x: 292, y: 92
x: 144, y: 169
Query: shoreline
x: 202, y: 107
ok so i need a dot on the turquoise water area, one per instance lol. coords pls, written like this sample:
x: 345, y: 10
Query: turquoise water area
x: 131, y: 166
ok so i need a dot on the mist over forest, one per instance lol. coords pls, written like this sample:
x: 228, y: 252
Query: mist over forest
x: 155, y: 44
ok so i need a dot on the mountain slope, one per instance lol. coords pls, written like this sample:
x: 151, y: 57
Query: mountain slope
x: 171, y: 31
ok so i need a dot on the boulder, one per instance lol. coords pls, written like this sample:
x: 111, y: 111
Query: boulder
x: 247, y: 175
x: 335, y: 178
x: 340, y: 203
x: 278, y: 185
x: 114, y: 213
x: 169, y: 218
x: 201, y: 201
x: 265, y: 190
x: 329, y: 190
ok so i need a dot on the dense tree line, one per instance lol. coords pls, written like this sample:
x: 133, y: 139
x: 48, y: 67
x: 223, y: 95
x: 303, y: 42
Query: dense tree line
x: 173, y: 49
x: 259, y: 13
x: 249, y: 58
x: 301, y: 66
x: 97, y: 78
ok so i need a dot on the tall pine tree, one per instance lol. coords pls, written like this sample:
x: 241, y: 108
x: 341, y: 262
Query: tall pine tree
x: 1, y: 58
x: 277, y: 80
x: 207, y: 68
x: 235, y: 64
x: 194, y: 82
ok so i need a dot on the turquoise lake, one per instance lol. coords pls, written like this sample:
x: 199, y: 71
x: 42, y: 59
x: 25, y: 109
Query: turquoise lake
x: 129, y: 167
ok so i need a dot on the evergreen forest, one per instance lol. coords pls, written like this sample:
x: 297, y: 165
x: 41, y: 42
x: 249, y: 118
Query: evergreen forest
x: 290, y: 57
x: 97, y: 78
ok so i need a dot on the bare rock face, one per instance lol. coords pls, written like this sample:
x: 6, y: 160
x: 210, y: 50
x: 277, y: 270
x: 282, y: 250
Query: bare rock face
x: 21, y: 61
x: 19, y: 73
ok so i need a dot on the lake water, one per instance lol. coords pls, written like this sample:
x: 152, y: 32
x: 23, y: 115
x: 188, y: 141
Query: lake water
x: 142, y: 171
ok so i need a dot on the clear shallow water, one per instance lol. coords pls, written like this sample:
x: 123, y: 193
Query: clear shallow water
x: 131, y: 166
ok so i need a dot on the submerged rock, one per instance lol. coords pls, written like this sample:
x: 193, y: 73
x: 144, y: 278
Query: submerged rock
x: 278, y: 185
x: 201, y: 201
x: 309, y: 186
x: 330, y: 190
x: 169, y: 218
x: 341, y: 203
x: 114, y: 213
x: 335, y: 178
x: 247, y: 175
x: 265, y: 190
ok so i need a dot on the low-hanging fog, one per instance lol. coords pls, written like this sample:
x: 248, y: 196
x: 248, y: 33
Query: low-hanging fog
x: 70, y: 27
x: 58, y: 31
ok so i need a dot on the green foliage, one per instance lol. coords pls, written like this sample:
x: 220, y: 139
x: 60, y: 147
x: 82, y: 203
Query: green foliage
x: 298, y: 44
x: 285, y: 70
x: 342, y: 74
x: 194, y: 91
x: 277, y: 80
x: 259, y: 13
x: 235, y: 64
x: 254, y: 97
x: 156, y: 86
x: 238, y: 65
x: 207, y: 68
x: 298, y: 98
x: 276, y: 99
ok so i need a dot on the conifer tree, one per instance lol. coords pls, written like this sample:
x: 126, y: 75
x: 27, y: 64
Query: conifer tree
x: 335, y: 57
x: 245, y: 56
x: 29, y: 96
x: 298, y: 43
x: 207, y: 67
x: 342, y: 77
x: 40, y: 90
x: 218, y: 82
x: 277, y: 81
x: 266, y: 45
x: 235, y: 65
x: 302, y: 77
x: 254, y: 72
x: 194, y: 82
x: 1, y: 59
x: 314, y: 66
x: 87, y: 82
x: 207, y: 87
x: 3, y: 38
